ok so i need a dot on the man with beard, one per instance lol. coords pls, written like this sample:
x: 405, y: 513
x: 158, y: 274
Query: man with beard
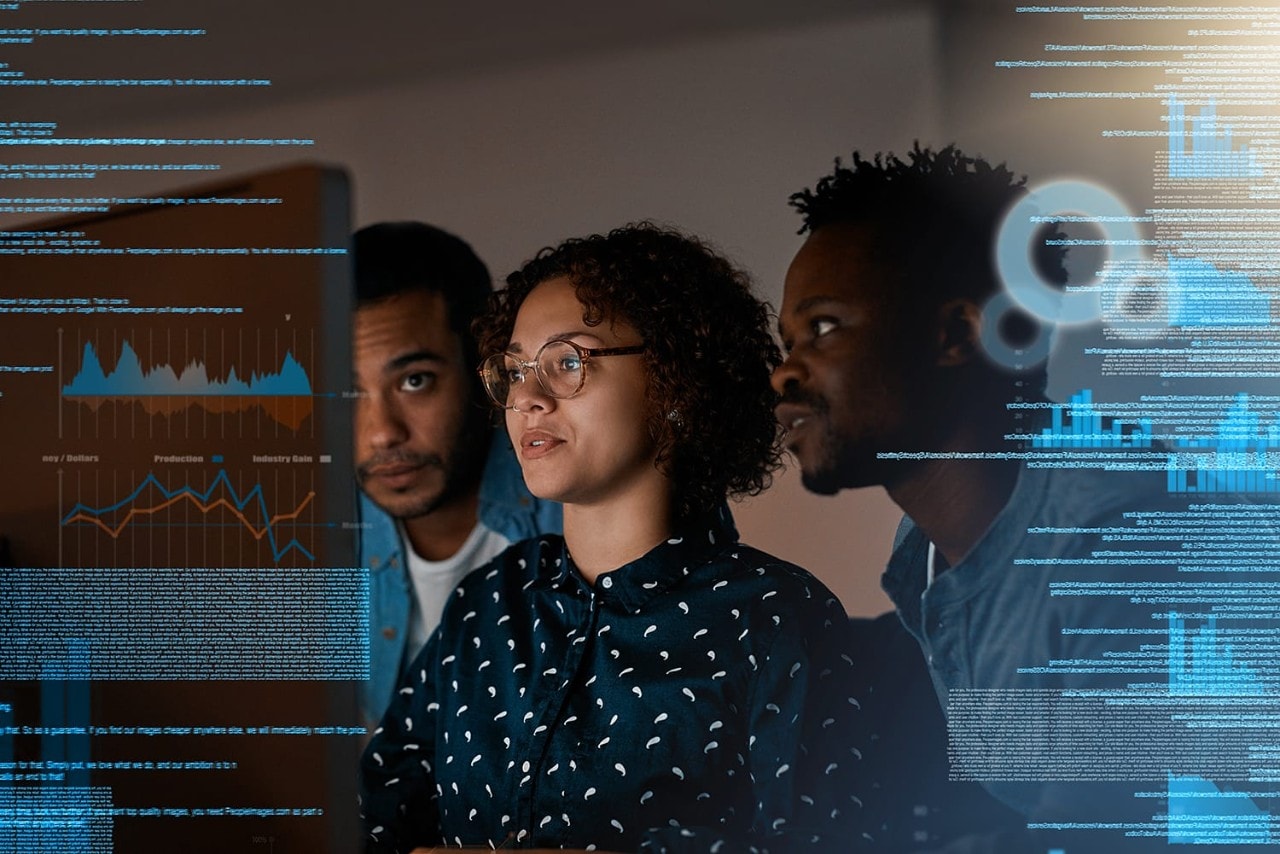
x: 442, y: 491
x: 887, y: 382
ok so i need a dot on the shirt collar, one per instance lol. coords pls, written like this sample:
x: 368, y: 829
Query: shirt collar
x: 633, y: 585
x: 502, y: 486
x: 904, y: 578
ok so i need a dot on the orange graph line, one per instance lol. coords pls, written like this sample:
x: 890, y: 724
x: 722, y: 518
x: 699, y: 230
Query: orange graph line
x: 204, y: 508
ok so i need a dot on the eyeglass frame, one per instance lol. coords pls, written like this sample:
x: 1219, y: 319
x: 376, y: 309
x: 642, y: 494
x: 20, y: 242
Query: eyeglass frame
x: 585, y: 355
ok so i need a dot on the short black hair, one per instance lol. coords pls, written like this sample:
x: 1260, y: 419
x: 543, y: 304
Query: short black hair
x: 937, y: 215
x: 394, y: 258
x: 708, y: 353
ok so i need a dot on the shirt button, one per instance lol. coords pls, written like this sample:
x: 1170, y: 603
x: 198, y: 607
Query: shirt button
x: 389, y: 632
x: 606, y: 582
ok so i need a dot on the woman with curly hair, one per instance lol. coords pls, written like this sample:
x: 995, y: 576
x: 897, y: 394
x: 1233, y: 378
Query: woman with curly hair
x: 644, y: 681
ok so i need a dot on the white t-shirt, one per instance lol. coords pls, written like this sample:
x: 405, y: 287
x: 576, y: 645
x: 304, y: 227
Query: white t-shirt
x: 433, y: 581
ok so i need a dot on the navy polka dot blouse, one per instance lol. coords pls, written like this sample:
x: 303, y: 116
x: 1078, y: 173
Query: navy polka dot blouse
x: 693, y: 700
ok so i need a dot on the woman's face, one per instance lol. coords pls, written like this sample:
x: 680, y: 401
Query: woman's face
x: 593, y: 447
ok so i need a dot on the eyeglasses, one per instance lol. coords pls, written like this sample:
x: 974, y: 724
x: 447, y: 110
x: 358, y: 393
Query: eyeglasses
x: 558, y: 365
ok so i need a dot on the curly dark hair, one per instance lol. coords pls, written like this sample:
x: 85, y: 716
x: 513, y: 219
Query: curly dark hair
x: 708, y: 351
x: 937, y: 217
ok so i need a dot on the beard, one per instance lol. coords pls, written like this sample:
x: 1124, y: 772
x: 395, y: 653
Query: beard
x: 832, y: 460
x: 459, y: 471
x: 839, y: 464
x: 822, y: 478
x: 819, y: 474
x: 408, y: 504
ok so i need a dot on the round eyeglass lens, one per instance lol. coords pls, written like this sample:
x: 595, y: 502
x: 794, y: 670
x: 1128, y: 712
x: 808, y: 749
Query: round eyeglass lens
x: 560, y: 367
x: 499, y: 373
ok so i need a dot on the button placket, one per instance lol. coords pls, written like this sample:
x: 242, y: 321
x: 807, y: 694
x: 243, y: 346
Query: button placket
x: 532, y: 805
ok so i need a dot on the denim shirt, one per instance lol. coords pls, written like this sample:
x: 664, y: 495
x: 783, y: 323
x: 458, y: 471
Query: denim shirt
x: 506, y: 507
x: 992, y: 622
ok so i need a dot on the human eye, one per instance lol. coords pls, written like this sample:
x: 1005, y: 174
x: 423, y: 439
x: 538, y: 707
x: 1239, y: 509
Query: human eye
x: 559, y: 358
x: 821, y: 326
x: 569, y: 363
x: 417, y: 381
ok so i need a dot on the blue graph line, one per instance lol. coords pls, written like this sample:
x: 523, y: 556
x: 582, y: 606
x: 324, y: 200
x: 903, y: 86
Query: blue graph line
x: 240, y: 504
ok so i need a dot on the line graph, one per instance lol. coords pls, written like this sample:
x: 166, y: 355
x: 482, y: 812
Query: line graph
x: 150, y: 498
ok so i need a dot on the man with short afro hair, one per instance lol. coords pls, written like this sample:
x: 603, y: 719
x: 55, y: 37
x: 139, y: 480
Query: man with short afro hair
x: 891, y: 380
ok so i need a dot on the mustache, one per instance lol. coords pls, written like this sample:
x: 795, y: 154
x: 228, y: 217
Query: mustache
x: 794, y: 394
x: 388, y: 459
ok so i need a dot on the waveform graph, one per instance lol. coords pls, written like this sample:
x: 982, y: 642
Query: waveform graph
x: 291, y: 412
x: 246, y: 383
x: 185, y: 518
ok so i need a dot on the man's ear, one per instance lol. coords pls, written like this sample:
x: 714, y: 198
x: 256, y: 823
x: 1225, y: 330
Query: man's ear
x: 959, y: 330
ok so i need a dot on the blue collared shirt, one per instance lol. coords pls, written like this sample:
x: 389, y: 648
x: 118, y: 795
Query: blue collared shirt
x: 693, y: 699
x: 993, y: 626
x: 506, y: 507
x: 915, y: 806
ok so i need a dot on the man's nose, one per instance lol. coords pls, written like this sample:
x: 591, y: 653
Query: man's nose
x: 381, y: 423
x: 790, y: 374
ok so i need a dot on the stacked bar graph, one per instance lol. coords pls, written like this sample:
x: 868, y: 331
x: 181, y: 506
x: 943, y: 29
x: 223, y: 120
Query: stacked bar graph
x: 1206, y: 148
x: 1233, y: 460
x: 1078, y: 424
